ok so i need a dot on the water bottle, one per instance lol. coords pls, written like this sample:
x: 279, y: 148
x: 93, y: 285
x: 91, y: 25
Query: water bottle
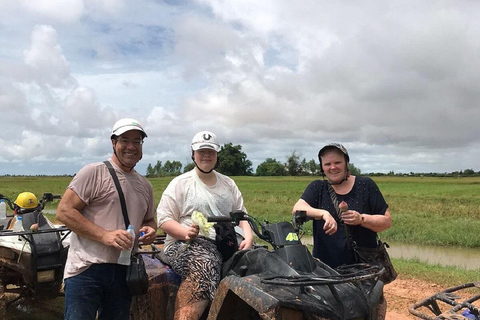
x: 3, y: 215
x: 18, y: 226
x: 3, y: 209
x: 125, y: 254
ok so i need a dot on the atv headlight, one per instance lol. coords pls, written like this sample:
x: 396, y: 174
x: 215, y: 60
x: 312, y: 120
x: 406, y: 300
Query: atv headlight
x: 45, y: 276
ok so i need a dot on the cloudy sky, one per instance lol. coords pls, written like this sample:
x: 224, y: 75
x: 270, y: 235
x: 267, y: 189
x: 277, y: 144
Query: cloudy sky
x: 397, y: 82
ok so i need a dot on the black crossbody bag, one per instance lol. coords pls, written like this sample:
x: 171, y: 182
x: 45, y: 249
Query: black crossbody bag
x: 373, y: 256
x: 137, y: 278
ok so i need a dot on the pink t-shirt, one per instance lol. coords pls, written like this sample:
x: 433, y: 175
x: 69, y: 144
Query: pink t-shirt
x: 94, y: 185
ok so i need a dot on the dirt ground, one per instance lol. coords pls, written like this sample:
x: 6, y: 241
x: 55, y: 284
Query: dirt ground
x: 402, y: 293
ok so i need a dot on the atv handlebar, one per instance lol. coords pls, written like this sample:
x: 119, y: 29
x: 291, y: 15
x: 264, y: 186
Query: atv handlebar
x: 7, y: 201
x: 48, y: 197
x: 235, y: 218
x: 219, y: 219
x: 299, y: 218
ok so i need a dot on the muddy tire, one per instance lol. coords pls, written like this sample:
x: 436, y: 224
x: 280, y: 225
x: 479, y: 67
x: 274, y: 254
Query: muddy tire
x: 3, y: 301
x: 382, y: 309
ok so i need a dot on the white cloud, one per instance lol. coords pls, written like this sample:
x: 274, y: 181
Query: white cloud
x: 63, y: 11
x: 45, y: 58
x: 395, y: 81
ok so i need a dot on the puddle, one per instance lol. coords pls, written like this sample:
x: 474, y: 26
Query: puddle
x: 467, y: 258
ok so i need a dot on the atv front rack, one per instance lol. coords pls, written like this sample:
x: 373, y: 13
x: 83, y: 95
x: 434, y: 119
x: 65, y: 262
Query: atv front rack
x: 25, y: 233
x: 449, y: 297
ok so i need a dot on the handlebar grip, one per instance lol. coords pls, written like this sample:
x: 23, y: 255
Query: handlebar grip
x: 219, y: 219
x: 301, y: 214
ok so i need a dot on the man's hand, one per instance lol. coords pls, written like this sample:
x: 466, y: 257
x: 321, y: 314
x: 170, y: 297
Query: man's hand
x: 148, y: 236
x: 119, y: 239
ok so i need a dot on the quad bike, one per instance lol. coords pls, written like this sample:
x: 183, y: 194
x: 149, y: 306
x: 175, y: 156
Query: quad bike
x: 455, y: 303
x: 31, y: 261
x: 284, y: 282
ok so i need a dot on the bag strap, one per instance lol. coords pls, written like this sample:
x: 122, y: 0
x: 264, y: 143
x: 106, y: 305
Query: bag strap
x: 348, y: 235
x: 120, y: 192
x: 206, y: 194
x: 350, y: 240
x: 333, y: 197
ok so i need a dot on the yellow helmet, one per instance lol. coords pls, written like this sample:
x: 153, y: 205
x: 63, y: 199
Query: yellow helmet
x: 26, y: 200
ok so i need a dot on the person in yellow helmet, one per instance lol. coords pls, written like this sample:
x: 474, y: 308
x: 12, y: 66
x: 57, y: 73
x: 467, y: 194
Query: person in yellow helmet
x: 26, y: 202
x: 94, y: 280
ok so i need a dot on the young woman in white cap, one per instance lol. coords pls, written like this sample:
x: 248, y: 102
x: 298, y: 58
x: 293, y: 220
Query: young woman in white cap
x: 195, y: 257
x: 90, y: 207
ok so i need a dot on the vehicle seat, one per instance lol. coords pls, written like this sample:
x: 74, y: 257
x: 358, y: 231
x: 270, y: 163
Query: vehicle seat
x: 46, y: 246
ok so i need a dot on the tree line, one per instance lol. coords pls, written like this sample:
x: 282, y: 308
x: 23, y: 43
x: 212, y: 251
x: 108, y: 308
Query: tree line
x: 461, y: 173
x: 233, y: 162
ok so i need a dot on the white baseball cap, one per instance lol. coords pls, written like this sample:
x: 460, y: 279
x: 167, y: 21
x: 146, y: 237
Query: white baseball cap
x: 205, y: 140
x: 126, y: 124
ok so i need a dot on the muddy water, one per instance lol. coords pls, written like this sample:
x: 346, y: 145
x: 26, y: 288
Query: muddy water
x: 466, y: 258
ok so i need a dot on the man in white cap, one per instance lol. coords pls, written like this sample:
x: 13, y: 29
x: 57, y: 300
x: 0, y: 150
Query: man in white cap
x: 94, y: 282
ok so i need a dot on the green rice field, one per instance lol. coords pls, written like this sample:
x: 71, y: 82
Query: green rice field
x: 441, y: 211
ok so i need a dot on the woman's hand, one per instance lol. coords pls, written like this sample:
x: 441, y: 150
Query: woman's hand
x: 192, y: 232
x: 352, y: 218
x: 245, y: 244
x: 330, y: 226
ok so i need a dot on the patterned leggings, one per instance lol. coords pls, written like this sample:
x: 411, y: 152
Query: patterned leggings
x: 199, y: 263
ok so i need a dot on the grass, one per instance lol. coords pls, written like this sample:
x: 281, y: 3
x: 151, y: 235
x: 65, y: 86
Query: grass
x: 441, y: 275
x: 437, y: 211
x: 12, y: 186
